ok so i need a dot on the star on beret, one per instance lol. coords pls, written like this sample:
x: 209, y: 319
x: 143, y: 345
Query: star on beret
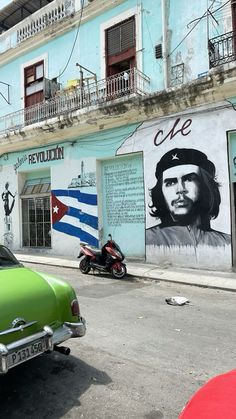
x: 175, y: 157
x: 181, y: 156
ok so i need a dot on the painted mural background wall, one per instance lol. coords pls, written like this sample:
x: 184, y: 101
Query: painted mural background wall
x: 123, y: 202
x: 91, y: 175
x: 9, y: 206
x: 74, y: 204
x: 72, y: 169
x: 73, y: 196
x: 189, y: 223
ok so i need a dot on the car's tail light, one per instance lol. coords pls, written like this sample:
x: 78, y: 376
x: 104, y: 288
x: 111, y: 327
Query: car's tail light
x: 75, y: 308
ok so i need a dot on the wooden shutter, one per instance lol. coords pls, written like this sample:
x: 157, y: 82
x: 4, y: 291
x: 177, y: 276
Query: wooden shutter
x: 233, y: 8
x: 121, y: 37
x: 34, y: 76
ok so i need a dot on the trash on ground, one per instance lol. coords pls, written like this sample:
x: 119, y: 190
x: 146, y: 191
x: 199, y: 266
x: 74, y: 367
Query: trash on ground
x: 177, y: 301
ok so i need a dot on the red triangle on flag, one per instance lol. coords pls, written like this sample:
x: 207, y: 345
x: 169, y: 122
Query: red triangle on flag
x: 58, y: 209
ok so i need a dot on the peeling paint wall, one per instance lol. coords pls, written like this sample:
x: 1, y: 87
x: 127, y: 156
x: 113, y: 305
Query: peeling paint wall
x: 187, y: 44
x: 191, y: 116
x: 184, y: 231
x: 76, y: 194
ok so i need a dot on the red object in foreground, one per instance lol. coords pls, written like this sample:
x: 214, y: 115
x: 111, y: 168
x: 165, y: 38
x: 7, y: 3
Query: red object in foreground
x: 215, y: 400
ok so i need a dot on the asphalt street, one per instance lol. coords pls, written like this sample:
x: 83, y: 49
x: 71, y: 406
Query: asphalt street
x: 141, y: 358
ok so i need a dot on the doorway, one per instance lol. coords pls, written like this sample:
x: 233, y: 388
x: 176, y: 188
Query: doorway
x: 36, y: 213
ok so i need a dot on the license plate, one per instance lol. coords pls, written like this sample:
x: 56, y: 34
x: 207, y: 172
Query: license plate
x: 27, y: 352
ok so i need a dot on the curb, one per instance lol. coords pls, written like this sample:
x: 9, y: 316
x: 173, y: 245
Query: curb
x: 151, y: 273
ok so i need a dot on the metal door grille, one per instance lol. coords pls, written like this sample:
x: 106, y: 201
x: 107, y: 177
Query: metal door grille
x: 36, y: 222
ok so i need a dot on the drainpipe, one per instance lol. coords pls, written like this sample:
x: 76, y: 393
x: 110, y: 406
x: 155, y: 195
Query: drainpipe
x: 164, y: 42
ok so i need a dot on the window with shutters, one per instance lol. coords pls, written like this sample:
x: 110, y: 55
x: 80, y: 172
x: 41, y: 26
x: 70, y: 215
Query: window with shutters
x: 121, y: 47
x: 33, y: 81
x: 233, y: 8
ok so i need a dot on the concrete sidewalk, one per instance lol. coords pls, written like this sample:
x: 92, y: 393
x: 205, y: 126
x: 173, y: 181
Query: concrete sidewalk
x: 210, y: 279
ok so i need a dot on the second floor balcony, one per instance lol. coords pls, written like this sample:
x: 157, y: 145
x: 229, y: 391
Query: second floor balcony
x: 222, y: 49
x: 122, y: 85
x: 23, y: 19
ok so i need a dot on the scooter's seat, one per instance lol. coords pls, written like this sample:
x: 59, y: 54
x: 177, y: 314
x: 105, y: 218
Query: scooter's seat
x: 96, y: 251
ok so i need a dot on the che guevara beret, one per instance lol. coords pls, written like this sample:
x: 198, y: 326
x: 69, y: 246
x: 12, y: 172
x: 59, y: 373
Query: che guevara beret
x: 183, y: 156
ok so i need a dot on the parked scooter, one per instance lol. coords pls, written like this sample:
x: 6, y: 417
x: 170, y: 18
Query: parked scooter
x: 108, y: 259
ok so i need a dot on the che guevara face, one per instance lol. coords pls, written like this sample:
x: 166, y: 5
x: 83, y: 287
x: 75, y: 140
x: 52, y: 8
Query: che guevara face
x: 180, y: 188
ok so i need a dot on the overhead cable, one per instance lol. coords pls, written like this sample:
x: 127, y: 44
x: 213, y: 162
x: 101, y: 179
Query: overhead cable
x: 197, y: 22
x: 76, y: 37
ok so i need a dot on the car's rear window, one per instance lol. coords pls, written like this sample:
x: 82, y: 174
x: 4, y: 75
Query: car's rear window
x: 7, y: 258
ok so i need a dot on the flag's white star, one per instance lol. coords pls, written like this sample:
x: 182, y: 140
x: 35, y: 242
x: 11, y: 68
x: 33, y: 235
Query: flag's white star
x: 55, y: 209
x: 175, y: 157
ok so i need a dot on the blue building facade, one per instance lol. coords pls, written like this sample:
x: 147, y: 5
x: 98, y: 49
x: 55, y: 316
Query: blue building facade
x: 119, y: 118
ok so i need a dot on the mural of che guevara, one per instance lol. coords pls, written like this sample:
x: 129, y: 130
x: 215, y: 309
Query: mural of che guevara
x: 185, y: 199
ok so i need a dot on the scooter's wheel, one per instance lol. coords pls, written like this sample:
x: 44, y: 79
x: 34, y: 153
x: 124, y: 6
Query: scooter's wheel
x: 84, y: 266
x: 118, y: 270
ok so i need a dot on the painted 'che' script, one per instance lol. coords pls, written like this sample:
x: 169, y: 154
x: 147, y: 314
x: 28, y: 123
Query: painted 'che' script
x: 177, y: 128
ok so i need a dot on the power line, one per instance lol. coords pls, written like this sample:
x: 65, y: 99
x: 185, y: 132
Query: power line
x: 177, y: 46
x: 75, y: 40
x: 149, y: 33
x: 197, y: 22
x: 212, y: 13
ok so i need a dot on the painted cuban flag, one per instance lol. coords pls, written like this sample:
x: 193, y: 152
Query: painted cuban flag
x: 75, y: 213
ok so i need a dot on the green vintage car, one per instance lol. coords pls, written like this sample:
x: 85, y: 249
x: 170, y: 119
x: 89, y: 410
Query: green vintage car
x: 37, y: 313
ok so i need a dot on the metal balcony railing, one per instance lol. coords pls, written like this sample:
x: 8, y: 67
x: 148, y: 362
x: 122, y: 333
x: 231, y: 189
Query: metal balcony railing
x: 47, y: 16
x: 38, y: 21
x: 222, y: 49
x: 66, y: 101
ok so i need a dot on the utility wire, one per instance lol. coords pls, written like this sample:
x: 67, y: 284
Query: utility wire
x: 150, y: 37
x: 197, y: 22
x: 76, y: 36
x: 212, y: 13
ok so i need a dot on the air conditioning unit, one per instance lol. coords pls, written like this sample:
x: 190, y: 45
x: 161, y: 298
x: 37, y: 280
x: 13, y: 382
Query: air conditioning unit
x: 50, y: 87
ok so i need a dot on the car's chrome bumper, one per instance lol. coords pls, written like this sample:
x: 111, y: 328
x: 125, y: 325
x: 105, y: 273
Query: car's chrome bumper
x: 24, y: 349
x: 69, y: 330
x: 78, y: 329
